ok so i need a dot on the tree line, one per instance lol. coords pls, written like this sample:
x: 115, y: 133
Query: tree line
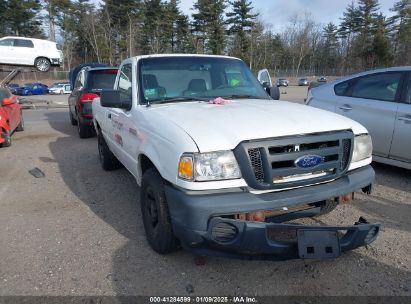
x: 362, y: 38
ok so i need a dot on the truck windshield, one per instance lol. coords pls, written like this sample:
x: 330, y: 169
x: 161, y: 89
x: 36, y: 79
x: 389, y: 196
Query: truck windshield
x: 185, y: 78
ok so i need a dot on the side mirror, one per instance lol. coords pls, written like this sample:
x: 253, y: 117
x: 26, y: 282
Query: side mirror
x: 274, y: 92
x: 9, y: 101
x: 266, y: 84
x: 112, y: 99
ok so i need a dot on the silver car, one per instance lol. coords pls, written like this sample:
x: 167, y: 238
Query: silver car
x: 381, y: 101
x: 303, y: 82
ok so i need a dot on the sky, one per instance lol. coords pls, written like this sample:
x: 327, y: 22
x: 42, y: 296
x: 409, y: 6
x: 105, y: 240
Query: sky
x: 277, y: 13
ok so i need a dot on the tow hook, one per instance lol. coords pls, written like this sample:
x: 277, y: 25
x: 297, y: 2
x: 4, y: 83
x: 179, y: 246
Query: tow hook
x: 346, y: 198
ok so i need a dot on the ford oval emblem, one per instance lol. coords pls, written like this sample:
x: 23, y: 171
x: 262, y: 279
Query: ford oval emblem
x: 308, y: 161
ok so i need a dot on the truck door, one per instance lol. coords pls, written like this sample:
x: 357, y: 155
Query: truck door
x: 124, y: 126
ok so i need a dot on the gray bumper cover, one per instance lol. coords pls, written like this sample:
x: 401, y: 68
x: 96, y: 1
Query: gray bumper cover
x: 196, y: 215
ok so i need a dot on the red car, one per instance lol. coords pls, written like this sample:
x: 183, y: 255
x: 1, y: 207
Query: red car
x: 11, y: 118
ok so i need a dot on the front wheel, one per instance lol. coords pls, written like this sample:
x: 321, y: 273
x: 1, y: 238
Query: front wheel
x: 20, y: 127
x: 73, y: 121
x: 156, y: 217
x: 7, y: 138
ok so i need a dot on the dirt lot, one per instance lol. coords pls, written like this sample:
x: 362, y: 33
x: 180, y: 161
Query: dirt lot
x: 78, y: 231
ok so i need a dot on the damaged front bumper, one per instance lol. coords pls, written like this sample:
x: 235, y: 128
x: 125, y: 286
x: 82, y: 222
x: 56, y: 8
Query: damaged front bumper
x: 200, y: 222
x: 284, y: 241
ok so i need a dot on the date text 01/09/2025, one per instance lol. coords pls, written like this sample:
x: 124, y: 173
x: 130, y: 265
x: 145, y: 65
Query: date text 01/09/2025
x: 205, y: 299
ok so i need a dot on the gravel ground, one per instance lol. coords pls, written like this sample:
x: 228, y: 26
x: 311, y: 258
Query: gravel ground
x: 78, y: 231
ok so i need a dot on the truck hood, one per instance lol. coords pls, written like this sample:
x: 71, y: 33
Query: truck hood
x: 222, y: 127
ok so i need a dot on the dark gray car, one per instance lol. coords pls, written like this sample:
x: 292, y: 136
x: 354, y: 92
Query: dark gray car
x: 381, y: 101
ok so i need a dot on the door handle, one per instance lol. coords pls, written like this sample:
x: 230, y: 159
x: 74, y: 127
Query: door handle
x: 405, y: 118
x: 345, y: 107
x: 109, y: 115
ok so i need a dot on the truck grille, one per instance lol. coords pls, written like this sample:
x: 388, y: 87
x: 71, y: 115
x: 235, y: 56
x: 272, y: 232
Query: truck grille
x: 294, y: 161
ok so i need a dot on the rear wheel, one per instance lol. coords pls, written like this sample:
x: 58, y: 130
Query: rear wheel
x: 42, y: 64
x: 107, y: 159
x: 84, y: 130
x: 156, y: 217
x: 20, y: 127
x: 73, y: 121
x: 7, y: 138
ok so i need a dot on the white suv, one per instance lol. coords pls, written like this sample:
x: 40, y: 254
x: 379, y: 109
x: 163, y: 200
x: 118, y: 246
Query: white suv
x: 28, y: 51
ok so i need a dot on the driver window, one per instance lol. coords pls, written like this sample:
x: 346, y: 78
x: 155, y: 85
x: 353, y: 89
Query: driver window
x: 125, y: 83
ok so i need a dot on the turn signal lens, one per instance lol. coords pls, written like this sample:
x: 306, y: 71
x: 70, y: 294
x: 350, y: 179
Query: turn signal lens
x: 185, y: 168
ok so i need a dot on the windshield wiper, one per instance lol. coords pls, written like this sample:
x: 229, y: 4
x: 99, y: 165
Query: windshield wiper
x: 179, y: 99
x: 241, y: 96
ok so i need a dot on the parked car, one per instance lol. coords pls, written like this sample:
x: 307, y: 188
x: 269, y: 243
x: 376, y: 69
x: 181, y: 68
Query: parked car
x: 12, y: 87
x: 381, y: 101
x: 218, y: 161
x: 282, y: 82
x: 60, y: 89
x: 303, y: 82
x: 32, y: 89
x: 58, y: 83
x: 74, y: 72
x: 87, y: 86
x: 42, y: 54
x: 322, y: 79
x: 11, y: 117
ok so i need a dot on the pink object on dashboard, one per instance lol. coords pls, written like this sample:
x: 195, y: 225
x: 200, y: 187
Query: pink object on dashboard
x: 219, y: 101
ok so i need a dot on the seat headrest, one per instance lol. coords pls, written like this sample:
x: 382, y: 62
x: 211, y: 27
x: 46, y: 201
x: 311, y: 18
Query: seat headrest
x: 197, y: 85
x: 150, y: 81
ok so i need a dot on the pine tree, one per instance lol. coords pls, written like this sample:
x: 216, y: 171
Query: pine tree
x: 184, y: 38
x: 350, y: 22
x: 54, y: 10
x: 208, y: 26
x: 368, y: 23
x: 381, y: 47
x: 22, y: 18
x: 240, y: 21
x: 331, y: 45
x: 401, y: 32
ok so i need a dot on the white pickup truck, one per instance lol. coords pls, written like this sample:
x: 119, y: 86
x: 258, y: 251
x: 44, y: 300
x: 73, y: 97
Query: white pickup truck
x: 222, y: 167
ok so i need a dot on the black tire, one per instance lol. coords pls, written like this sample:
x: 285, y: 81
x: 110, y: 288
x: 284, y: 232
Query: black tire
x: 42, y: 64
x: 327, y: 206
x: 73, y: 121
x: 7, y: 138
x: 20, y: 126
x: 107, y: 159
x: 156, y: 217
x: 84, y: 130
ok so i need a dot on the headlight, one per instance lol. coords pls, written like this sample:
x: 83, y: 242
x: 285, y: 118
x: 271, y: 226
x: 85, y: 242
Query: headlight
x: 208, y: 166
x: 362, y: 148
